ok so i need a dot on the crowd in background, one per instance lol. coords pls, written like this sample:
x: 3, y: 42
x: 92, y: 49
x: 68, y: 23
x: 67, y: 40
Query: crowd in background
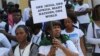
x: 19, y: 36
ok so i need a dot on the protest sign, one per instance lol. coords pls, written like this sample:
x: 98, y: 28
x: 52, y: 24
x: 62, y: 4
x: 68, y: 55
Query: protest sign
x: 48, y: 10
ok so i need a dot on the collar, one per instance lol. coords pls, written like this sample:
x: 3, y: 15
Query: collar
x: 39, y: 34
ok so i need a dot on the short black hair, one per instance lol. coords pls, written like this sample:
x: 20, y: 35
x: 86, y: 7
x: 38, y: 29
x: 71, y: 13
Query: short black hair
x: 17, y: 6
x: 71, y: 14
x: 69, y: 6
x: 54, y: 23
x: 96, y: 13
x: 29, y: 23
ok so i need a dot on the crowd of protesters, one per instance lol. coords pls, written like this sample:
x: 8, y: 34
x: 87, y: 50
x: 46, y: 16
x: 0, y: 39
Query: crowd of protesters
x: 19, y: 36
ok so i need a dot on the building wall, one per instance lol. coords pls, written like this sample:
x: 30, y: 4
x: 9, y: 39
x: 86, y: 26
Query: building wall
x: 23, y: 4
x: 89, y: 2
x: 14, y: 1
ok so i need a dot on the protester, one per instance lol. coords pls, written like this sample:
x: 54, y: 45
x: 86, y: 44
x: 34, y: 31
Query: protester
x: 56, y: 44
x: 5, y: 45
x: 26, y: 15
x: 24, y: 47
x: 17, y: 22
x: 93, y: 33
x: 2, y: 23
x: 82, y: 10
x: 74, y: 33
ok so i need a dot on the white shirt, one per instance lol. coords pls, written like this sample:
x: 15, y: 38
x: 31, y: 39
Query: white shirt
x: 2, y: 25
x: 24, y: 52
x: 6, y: 45
x: 75, y: 37
x: 90, y: 36
x: 25, y: 15
x: 83, y: 18
x: 45, y: 49
x: 36, y: 38
x: 13, y: 30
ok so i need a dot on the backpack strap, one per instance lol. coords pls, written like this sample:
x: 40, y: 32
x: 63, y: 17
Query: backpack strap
x: 93, y: 35
x: 34, y: 49
x: 93, y: 30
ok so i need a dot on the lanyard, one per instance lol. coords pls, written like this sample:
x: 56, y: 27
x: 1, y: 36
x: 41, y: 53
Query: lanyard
x: 21, y: 54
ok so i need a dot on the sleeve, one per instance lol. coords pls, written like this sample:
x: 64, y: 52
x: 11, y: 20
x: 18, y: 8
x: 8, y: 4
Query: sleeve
x: 41, y: 48
x: 44, y: 50
x: 4, y: 51
x: 90, y: 37
x: 80, y: 33
x: 24, y: 15
x: 72, y: 47
x: 5, y: 42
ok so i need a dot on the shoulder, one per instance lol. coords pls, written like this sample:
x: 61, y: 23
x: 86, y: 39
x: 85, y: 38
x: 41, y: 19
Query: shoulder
x: 63, y: 31
x: 2, y: 36
x: 77, y: 30
x: 85, y: 5
x: 3, y: 22
x: 90, y: 25
x: 22, y: 22
x: 26, y: 9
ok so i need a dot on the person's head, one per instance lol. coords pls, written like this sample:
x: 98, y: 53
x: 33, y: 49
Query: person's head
x: 16, y: 15
x: 68, y: 23
x: 80, y: 2
x: 96, y: 13
x: 16, y: 6
x: 22, y: 33
x: 10, y: 7
x: 36, y: 28
x: 72, y: 19
x: 54, y: 29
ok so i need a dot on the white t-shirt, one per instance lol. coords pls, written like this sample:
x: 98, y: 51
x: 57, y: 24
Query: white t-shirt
x: 83, y: 18
x: 2, y: 25
x: 36, y: 38
x: 90, y: 36
x: 6, y: 45
x: 4, y: 51
x: 24, y: 52
x: 13, y: 30
x: 75, y: 37
x: 26, y: 15
x: 69, y: 44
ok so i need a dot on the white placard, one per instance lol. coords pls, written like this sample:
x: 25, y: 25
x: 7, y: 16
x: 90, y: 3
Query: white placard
x: 48, y: 10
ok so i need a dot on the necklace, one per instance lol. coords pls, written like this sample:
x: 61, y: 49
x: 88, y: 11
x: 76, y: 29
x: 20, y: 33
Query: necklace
x: 22, y: 51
